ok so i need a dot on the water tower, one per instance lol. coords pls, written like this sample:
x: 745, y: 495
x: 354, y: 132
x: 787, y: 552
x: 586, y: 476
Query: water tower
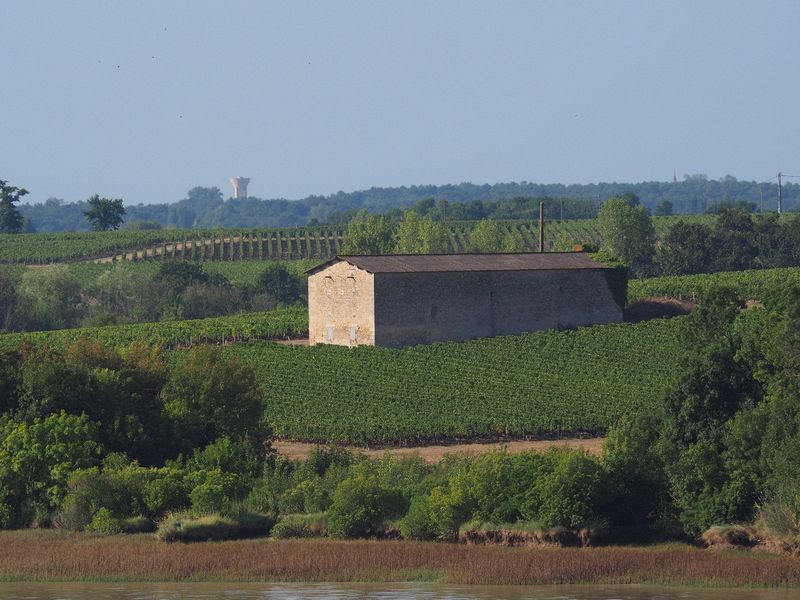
x: 240, y: 186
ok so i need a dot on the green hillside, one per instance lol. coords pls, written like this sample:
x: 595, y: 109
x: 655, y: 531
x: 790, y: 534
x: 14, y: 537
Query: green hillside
x: 535, y: 384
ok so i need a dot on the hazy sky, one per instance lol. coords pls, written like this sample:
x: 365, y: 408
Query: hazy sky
x: 144, y: 100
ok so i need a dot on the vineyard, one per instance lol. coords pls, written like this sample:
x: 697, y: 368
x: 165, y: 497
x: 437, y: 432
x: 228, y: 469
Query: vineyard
x: 752, y: 284
x: 552, y: 382
x: 276, y: 324
x: 541, y: 383
x: 261, y: 244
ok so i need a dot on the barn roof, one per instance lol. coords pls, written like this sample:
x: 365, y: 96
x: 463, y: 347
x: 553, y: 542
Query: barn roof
x: 438, y: 263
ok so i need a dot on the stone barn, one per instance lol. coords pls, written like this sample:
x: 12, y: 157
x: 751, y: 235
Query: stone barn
x: 399, y: 300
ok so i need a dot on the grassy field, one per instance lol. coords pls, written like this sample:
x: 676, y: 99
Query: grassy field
x: 54, y: 556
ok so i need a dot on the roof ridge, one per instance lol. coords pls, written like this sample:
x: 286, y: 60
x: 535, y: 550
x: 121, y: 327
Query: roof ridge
x: 465, y: 262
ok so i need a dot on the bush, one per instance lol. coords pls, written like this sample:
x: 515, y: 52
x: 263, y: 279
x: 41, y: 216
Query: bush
x: 416, y: 524
x: 215, y: 491
x: 359, y: 507
x: 35, y: 462
x: 104, y: 522
x: 573, y: 495
x: 137, y: 524
x: 301, y: 526
x: 184, y: 527
x: 125, y: 492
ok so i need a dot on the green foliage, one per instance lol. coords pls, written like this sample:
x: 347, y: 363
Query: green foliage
x: 301, y: 526
x: 36, y: 460
x: 553, y: 381
x: 753, y: 284
x: 215, y: 491
x: 418, y: 235
x: 486, y: 236
x: 50, y: 299
x: 417, y: 523
x: 124, y: 491
x: 210, y: 396
x: 11, y: 220
x: 186, y: 527
x: 574, y: 492
x: 278, y: 282
x: 359, y: 507
x: 104, y: 522
x: 637, y: 486
x: 628, y: 232
x: 104, y: 214
x: 368, y: 234
x: 280, y: 323
x: 664, y: 208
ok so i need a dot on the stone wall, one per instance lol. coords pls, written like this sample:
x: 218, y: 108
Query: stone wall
x: 341, y: 309
x: 418, y: 308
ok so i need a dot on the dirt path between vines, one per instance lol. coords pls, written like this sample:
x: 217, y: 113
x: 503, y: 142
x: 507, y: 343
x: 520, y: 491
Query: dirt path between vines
x: 432, y: 454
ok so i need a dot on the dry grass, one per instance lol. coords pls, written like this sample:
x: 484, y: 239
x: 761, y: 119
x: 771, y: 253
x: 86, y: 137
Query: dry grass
x: 434, y: 453
x: 48, y: 555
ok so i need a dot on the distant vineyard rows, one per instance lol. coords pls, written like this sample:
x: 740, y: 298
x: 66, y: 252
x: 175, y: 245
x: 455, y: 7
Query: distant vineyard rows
x: 276, y: 324
x: 752, y: 284
x: 260, y: 244
x: 535, y: 384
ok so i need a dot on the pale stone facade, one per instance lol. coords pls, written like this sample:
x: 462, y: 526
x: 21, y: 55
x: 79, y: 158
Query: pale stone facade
x: 378, y: 301
x: 343, y: 309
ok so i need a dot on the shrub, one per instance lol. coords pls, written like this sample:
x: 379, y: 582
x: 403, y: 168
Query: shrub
x: 725, y: 536
x: 184, y: 527
x: 125, y: 491
x: 137, y: 524
x: 35, y: 462
x: 359, y: 507
x: 215, y: 491
x: 779, y: 519
x: 301, y: 526
x: 573, y: 495
x: 416, y: 524
x: 104, y: 522
x: 165, y: 493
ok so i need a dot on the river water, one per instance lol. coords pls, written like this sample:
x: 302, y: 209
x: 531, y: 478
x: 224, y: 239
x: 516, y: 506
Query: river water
x: 392, y: 591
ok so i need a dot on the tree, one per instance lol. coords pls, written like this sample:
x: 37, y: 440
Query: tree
x: 368, y: 234
x: 104, y: 214
x: 486, y: 237
x: 49, y: 299
x: 11, y: 220
x: 664, y: 209
x: 685, y: 250
x: 733, y: 241
x: 280, y: 283
x: 417, y: 235
x: 209, y: 396
x: 35, y: 462
x: 628, y: 232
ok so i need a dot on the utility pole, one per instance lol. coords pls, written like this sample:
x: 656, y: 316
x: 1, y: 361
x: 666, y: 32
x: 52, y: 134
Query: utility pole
x: 780, y: 192
x: 561, y: 220
x: 541, y: 226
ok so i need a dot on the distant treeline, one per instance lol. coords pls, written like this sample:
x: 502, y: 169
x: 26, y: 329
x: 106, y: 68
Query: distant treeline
x: 206, y: 207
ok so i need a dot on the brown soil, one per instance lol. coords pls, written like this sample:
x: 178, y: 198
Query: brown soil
x: 432, y: 454
x: 652, y: 307
x: 294, y: 342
